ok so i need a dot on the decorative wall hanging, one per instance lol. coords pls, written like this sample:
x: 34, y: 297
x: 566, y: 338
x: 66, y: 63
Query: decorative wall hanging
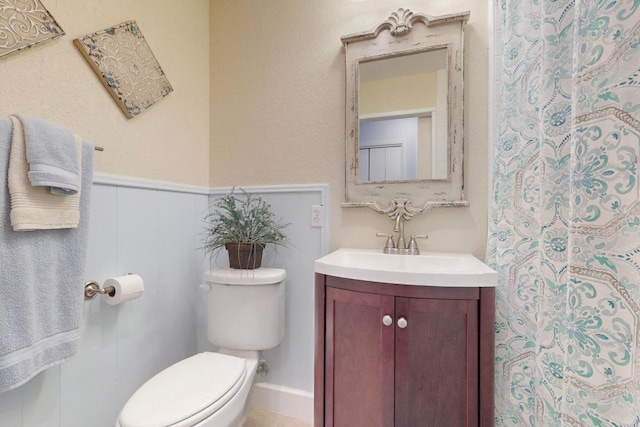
x: 24, y: 23
x: 123, y: 61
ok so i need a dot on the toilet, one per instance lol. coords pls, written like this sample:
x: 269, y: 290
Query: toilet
x: 210, y: 389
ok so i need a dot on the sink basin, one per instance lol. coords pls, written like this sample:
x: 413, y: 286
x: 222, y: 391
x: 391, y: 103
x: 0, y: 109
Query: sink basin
x: 426, y: 269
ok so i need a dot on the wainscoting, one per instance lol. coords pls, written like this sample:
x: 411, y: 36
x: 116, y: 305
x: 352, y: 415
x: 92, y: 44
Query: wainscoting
x: 154, y: 229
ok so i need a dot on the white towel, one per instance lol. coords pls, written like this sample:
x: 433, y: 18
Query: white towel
x: 35, y: 208
x: 41, y: 283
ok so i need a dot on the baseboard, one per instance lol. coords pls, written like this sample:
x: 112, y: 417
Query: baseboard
x: 281, y: 400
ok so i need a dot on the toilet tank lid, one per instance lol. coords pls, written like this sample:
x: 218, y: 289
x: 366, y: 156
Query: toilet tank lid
x: 258, y: 276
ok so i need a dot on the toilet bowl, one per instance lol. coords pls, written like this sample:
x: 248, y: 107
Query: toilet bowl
x: 210, y: 389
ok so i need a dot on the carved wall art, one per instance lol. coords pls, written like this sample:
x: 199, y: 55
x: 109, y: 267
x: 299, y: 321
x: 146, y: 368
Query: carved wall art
x: 127, y: 68
x: 24, y: 23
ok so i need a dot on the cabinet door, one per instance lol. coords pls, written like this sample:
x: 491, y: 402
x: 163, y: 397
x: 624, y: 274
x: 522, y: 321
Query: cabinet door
x: 359, y: 353
x: 436, y: 363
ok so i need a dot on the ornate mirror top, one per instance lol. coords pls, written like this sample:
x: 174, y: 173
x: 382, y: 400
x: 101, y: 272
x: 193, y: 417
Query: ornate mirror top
x: 399, y: 23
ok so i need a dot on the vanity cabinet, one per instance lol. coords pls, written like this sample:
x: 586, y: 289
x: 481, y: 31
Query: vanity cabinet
x: 401, y: 355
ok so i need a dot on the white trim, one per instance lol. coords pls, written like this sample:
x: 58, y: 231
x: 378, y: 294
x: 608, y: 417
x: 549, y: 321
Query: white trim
x: 149, y: 184
x: 399, y: 114
x: 281, y: 400
x: 324, y: 241
x: 292, y: 188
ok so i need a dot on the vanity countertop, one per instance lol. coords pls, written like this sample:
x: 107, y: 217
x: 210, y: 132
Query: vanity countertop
x: 427, y: 269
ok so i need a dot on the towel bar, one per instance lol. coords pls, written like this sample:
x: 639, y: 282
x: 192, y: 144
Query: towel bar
x: 98, y: 148
x: 92, y: 288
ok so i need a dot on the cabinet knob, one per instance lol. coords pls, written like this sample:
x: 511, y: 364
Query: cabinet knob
x: 387, y: 320
x: 402, y: 323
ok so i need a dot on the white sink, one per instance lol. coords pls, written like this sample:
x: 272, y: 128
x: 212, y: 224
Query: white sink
x: 426, y: 269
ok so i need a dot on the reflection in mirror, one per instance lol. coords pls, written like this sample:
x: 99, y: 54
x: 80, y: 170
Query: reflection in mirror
x: 402, y: 105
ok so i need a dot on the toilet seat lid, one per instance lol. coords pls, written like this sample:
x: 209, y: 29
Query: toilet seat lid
x: 197, y: 386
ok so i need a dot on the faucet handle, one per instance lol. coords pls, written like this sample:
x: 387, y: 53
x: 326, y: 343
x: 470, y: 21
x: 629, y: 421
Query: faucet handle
x: 413, y: 245
x: 389, y: 246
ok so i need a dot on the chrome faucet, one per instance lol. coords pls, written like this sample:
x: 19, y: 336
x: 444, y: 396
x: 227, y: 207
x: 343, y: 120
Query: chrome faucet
x: 399, y: 228
x: 389, y: 246
x: 401, y: 210
x: 412, y: 249
x: 401, y: 248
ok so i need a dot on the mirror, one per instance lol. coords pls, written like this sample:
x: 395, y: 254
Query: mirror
x: 404, y: 133
x: 402, y: 106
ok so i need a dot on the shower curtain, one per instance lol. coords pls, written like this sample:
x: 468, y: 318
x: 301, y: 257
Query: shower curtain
x: 564, y: 222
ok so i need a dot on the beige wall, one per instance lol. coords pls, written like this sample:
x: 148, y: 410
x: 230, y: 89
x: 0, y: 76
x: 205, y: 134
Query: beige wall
x: 276, y: 103
x: 278, y: 99
x: 414, y: 92
x: 170, y: 141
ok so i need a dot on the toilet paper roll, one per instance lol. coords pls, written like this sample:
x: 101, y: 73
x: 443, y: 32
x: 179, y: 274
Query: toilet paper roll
x: 125, y: 288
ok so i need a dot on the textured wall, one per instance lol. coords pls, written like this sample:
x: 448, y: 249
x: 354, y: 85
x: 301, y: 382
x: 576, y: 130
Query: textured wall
x: 278, y: 99
x: 168, y: 142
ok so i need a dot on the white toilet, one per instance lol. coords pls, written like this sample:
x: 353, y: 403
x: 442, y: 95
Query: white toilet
x: 246, y: 314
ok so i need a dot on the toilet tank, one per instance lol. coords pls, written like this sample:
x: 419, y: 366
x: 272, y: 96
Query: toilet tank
x: 246, y: 308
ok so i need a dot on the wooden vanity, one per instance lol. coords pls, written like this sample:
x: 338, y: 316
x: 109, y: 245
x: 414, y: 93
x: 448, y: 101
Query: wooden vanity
x: 402, y: 355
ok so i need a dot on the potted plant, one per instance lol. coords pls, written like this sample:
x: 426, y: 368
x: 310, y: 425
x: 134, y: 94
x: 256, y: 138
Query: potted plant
x: 243, y: 224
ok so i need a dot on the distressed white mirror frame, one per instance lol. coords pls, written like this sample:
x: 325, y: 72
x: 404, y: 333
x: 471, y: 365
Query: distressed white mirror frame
x: 405, y: 33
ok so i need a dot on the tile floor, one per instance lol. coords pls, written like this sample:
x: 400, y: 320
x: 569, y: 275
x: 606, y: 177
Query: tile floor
x: 258, y: 418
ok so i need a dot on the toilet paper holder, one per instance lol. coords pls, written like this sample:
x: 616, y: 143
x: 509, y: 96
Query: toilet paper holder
x: 92, y: 288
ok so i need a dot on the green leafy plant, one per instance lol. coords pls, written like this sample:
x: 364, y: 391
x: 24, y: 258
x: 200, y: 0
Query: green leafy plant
x: 242, y: 218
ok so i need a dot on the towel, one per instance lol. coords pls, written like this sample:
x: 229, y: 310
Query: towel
x: 52, y: 156
x: 35, y: 208
x: 41, y: 283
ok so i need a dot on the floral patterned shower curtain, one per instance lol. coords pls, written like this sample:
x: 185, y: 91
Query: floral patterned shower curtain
x: 564, y: 228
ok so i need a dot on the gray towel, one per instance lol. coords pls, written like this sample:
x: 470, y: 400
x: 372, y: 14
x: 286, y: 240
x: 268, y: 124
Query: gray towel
x: 52, y: 156
x: 41, y: 283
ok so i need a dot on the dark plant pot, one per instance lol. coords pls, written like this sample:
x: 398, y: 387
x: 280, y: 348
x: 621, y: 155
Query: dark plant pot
x: 244, y: 256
